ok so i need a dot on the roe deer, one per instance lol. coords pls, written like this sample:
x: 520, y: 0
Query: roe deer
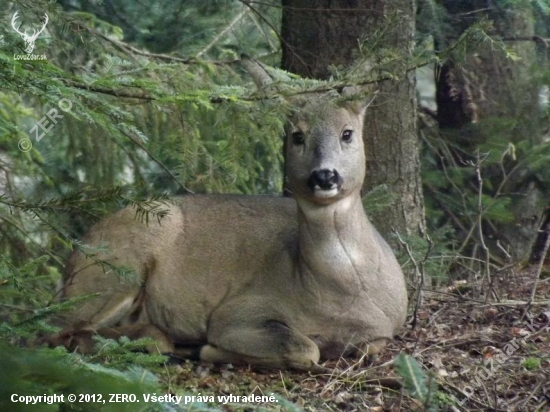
x: 271, y: 281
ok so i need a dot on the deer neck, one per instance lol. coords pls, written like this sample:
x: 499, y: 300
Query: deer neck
x: 332, y: 242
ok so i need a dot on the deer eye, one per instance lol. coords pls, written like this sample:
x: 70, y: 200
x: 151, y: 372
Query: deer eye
x: 346, y: 135
x: 298, y: 138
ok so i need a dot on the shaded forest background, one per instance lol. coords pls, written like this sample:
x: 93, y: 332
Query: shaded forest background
x: 458, y: 139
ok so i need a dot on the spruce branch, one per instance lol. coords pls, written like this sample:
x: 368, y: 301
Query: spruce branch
x: 78, y: 200
x: 129, y: 49
x: 13, y: 223
x: 229, y: 27
x: 136, y: 141
x: 125, y: 93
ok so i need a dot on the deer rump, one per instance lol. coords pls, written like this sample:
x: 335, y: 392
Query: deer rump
x: 265, y: 280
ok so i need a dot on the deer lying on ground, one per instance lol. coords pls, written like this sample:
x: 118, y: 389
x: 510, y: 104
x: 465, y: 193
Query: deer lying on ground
x: 270, y: 281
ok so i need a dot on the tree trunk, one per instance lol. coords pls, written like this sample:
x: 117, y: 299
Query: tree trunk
x: 322, y: 36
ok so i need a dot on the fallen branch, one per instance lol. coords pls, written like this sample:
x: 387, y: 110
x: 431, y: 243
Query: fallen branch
x: 516, y: 303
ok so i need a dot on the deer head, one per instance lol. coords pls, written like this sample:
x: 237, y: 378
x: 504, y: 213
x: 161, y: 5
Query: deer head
x: 29, y: 39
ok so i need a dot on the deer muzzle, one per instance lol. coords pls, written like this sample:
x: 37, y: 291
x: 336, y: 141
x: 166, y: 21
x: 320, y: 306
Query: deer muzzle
x: 325, y: 183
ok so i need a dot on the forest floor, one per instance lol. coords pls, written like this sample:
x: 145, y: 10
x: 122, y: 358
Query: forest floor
x: 484, y: 356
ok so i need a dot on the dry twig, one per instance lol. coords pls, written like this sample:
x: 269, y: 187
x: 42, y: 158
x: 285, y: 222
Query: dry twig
x: 539, y: 269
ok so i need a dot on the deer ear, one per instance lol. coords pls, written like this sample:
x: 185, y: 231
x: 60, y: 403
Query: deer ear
x: 256, y: 70
x: 358, y: 99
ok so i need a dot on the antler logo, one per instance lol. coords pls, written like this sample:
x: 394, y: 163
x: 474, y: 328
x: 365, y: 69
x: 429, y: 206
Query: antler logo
x: 29, y: 39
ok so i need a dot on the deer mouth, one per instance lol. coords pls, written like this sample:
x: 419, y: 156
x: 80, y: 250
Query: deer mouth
x: 327, y: 193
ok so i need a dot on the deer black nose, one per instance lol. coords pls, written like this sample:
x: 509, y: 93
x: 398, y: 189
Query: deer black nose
x: 324, y: 179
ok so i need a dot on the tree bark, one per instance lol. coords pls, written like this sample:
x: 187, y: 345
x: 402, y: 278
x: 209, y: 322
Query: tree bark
x: 322, y: 37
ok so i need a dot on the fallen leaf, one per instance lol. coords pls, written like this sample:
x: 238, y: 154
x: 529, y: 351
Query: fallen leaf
x: 491, y: 314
